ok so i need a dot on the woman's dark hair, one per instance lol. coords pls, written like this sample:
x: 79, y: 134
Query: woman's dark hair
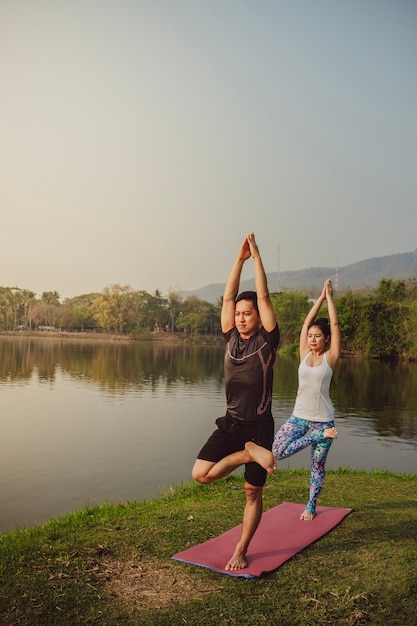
x: 323, y: 324
x: 249, y: 295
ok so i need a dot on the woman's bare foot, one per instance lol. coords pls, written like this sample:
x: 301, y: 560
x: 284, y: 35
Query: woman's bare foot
x: 237, y: 562
x: 262, y: 456
x: 330, y: 433
x: 307, y: 516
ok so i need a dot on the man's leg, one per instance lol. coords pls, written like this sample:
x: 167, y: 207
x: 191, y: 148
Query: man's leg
x: 206, y: 472
x: 251, y: 517
x: 261, y: 456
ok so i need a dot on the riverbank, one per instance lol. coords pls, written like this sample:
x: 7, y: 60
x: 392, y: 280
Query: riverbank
x: 64, y: 335
x: 167, y: 338
x: 100, y: 337
x: 111, y: 564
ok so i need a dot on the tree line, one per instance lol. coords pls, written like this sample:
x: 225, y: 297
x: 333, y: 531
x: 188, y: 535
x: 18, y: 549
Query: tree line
x: 382, y: 324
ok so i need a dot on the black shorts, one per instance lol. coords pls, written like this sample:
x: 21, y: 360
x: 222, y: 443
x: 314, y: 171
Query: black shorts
x: 231, y: 436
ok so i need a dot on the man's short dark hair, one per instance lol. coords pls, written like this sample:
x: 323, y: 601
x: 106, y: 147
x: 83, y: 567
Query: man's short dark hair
x: 249, y: 295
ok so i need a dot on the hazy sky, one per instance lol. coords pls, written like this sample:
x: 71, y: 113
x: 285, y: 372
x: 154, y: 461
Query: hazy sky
x: 141, y: 140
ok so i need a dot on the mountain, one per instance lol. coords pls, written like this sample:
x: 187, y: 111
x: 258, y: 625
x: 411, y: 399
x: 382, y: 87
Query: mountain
x: 362, y: 275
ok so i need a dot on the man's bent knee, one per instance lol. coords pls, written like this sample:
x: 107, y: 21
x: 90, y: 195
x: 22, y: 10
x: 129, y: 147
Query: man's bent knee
x: 200, y: 470
x: 203, y: 480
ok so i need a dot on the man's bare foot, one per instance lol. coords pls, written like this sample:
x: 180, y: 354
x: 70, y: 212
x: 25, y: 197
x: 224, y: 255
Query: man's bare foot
x: 262, y: 456
x: 237, y: 562
x: 307, y: 516
x: 330, y: 433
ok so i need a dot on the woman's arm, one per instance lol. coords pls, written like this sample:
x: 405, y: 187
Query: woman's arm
x: 326, y: 294
x: 311, y: 316
x: 335, y: 348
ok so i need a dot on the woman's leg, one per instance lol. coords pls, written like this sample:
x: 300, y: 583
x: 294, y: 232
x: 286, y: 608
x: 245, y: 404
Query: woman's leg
x: 292, y: 438
x: 319, y: 451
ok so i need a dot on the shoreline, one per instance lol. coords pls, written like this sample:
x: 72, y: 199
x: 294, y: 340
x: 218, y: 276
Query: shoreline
x: 173, y: 339
x: 101, y: 337
x: 112, y: 563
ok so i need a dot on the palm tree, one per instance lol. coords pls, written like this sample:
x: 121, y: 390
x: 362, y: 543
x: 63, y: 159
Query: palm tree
x: 50, y: 300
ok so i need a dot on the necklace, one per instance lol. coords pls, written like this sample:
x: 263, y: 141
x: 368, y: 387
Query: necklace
x: 242, y: 358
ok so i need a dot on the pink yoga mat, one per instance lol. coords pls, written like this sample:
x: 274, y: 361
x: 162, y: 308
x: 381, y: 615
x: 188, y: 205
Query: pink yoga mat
x: 280, y: 535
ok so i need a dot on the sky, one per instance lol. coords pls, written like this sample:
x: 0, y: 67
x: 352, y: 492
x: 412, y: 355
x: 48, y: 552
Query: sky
x: 141, y: 140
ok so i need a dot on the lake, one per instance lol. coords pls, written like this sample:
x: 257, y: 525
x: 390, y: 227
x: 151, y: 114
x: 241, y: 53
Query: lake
x: 89, y: 422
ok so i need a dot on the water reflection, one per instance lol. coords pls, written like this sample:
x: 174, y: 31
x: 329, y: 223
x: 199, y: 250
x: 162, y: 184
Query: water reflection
x: 383, y: 392
x: 114, y: 366
x: 88, y: 422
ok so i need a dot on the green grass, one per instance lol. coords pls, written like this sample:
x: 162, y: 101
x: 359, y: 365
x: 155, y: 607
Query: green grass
x: 111, y: 564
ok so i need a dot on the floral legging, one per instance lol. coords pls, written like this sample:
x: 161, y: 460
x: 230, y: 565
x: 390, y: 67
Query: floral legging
x: 292, y: 437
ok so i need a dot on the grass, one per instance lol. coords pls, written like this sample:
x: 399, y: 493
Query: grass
x: 111, y: 564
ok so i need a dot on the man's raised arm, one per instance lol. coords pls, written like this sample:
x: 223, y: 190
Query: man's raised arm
x: 266, y: 310
x: 232, y: 287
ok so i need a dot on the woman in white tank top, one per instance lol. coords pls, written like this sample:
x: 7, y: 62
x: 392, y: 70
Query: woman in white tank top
x: 312, y: 420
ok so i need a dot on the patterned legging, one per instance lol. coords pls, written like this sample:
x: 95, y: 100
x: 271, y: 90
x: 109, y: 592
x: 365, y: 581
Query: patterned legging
x: 292, y: 437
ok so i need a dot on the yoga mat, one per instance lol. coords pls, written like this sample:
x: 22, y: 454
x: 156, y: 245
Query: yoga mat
x: 279, y: 536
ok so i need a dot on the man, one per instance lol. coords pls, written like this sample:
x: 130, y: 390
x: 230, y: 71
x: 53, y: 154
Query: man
x: 251, y: 333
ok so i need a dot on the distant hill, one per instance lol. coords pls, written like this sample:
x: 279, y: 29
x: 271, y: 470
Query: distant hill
x: 364, y: 275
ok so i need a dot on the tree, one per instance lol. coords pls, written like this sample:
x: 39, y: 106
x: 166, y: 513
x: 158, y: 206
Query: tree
x: 112, y: 309
x: 8, y: 307
x: 152, y: 311
x: 174, y: 303
x: 50, y: 297
x: 159, y: 310
x: 50, y: 302
x: 28, y: 301
x: 197, y: 316
x: 410, y: 321
x: 77, y: 313
x: 290, y: 308
x: 382, y: 332
x: 350, y: 312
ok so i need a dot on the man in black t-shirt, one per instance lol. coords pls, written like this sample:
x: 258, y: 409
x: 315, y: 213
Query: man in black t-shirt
x: 251, y: 333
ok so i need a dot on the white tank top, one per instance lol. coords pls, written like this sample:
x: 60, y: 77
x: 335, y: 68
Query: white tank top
x: 313, y: 400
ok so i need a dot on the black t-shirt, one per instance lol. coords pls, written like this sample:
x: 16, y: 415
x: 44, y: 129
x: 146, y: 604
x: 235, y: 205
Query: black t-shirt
x: 248, y: 372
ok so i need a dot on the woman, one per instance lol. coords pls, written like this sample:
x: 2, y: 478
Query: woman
x: 312, y: 420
